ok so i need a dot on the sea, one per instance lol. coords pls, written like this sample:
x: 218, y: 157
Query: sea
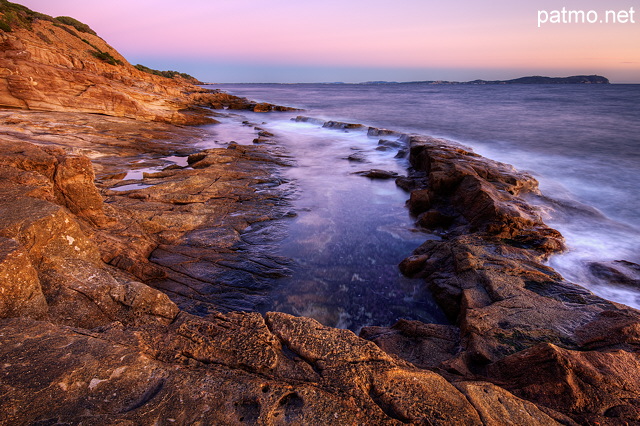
x: 582, y: 143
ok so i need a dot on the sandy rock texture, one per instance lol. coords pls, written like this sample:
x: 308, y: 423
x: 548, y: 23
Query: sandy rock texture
x: 517, y: 323
x: 87, y: 330
x: 47, y: 65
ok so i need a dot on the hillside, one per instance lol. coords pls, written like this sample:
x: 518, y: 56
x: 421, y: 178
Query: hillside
x: 60, y: 64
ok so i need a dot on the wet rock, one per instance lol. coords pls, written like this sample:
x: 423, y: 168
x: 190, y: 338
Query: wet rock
x: 402, y: 153
x: 377, y: 174
x: 304, y: 119
x: 617, y: 273
x: 341, y: 125
x: 390, y: 144
x: 265, y: 134
x: 483, y: 192
x: 551, y: 343
x: 375, y: 131
x: 357, y: 157
x: 433, y: 219
x: 221, y: 100
x: 420, y: 200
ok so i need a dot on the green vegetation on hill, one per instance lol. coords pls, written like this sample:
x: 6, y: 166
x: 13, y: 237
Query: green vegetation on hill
x: 106, y: 57
x: 167, y: 74
x: 83, y: 28
x: 16, y: 15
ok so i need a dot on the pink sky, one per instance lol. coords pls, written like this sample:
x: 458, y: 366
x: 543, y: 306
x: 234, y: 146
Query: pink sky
x: 358, y: 40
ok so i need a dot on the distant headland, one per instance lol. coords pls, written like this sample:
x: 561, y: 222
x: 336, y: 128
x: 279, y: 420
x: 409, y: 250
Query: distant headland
x: 536, y: 79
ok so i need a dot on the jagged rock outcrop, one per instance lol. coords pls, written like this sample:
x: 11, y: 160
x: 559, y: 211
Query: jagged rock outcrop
x: 518, y: 324
x: 221, y: 100
x: 123, y: 351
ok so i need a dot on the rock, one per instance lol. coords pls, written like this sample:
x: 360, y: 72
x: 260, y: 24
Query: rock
x: 75, y: 178
x: 402, y: 153
x: 221, y: 100
x: 96, y: 379
x: 65, y: 76
x: 494, y: 405
x: 345, y: 347
x: 304, y: 119
x: 482, y: 192
x: 433, y: 219
x: 419, y: 201
x: 558, y: 348
x: 591, y: 387
x: 423, y: 345
x: 341, y: 125
x: 400, y: 394
x: 377, y: 174
x: 357, y: 157
x: 375, y: 131
x: 61, y: 268
x: 390, y: 144
x: 618, y: 272
x: 265, y: 134
x: 20, y: 294
x: 215, y: 376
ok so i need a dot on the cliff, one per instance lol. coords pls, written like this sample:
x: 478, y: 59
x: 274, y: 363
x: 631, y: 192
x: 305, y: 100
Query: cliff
x: 60, y: 64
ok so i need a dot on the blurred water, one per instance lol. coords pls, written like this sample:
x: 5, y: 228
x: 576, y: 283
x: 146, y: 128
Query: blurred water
x: 581, y: 142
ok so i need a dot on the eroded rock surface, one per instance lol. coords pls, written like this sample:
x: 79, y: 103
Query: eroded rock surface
x: 518, y: 324
x: 87, y: 329
x: 48, y: 65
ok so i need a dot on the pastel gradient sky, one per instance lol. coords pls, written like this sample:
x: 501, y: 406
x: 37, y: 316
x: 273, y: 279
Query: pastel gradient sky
x: 360, y: 40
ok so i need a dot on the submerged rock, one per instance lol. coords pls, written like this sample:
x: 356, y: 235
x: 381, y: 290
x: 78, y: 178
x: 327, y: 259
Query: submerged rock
x: 617, y: 273
x: 341, y: 125
x: 377, y: 174
x: 357, y: 157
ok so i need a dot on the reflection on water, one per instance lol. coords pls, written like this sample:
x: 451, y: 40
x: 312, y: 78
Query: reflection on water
x: 349, y: 235
x: 580, y: 141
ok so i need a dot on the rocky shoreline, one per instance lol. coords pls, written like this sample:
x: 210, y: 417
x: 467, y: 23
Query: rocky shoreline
x: 133, y: 306
x: 89, y: 328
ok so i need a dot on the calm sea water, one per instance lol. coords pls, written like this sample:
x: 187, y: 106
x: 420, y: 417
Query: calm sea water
x: 582, y: 142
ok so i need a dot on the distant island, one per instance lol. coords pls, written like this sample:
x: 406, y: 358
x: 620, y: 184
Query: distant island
x: 536, y: 79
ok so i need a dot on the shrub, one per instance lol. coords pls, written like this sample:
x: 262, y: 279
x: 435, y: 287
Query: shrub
x: 83, y: 28
x: 4, y: 26
x: 18, y: 15
x: 67, y: 29
x: 44, y: 37
x: 106, y: 57
x: 167, y: 74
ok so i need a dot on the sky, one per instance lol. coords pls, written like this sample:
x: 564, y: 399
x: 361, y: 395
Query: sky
x: 295, y: 41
